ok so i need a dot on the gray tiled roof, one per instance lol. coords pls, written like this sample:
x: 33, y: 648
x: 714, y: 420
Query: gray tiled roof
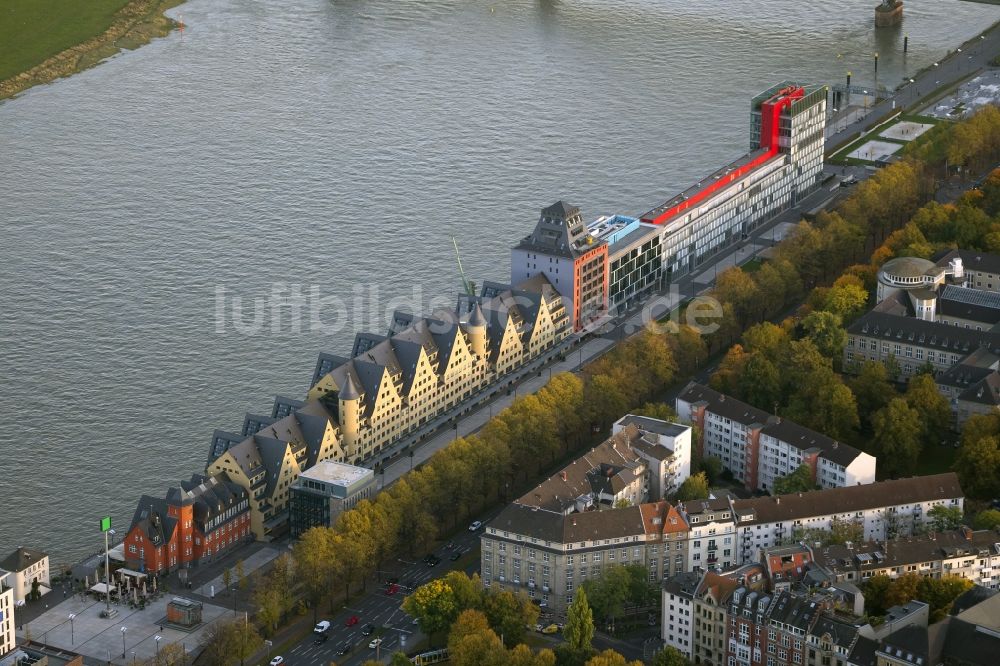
x: 927, y: 334
x: 787, y: 431
x: 21, y: 559
x: 972, y: 260
x: 851, y: 498
x: 653, y: 425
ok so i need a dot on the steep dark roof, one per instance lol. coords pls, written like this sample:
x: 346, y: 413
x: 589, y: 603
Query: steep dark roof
x: 547, y: 525
x: 841, y: 633
x: 970, y: 645
x: 985, y: 392
x: 927, y: 334
x: 971, y: 597
x: 151, y: 519
x: 21, y: 559
x: 972, y: 260
x: 908, y: 644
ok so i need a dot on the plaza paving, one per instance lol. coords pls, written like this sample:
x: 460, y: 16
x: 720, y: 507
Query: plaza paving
x: 905, y: 130
x: 874, y: 150
x: 100, y: 639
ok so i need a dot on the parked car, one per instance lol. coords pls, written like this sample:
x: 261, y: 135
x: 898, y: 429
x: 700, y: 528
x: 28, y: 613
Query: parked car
x: 368, y: 629
x: 344, y: 648
x: 551, y: 629
x: 392, y: 589
x: 475, y: 525
x: 321, y: 627
x: 391, y: 579
x: 847, y: 182
x: 375, y: 643
x: 351, y: 621
x: 449, y: 545
x: 455, y: 555
x: 277, y: 661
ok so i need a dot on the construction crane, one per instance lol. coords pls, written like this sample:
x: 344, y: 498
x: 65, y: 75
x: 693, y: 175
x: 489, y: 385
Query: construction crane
x: 470, y: 288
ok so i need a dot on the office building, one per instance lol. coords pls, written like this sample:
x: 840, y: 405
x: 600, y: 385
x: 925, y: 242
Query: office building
x: 324, y: 491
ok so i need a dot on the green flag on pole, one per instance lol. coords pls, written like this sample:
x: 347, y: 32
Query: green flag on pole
x: 105, y: 523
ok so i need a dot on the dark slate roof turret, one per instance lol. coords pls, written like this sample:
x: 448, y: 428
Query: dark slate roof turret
x: 350, y: 390
x: 477, y: 318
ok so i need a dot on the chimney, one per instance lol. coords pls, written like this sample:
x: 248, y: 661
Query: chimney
x: 835, y: 445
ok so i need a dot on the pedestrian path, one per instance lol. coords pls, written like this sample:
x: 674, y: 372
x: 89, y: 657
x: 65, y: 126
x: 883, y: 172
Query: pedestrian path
x: 217, y: 585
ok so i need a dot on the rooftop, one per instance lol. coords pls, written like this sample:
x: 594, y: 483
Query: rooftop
x: 336, y: 473
x: 21, y: 559
x: 909, y: 267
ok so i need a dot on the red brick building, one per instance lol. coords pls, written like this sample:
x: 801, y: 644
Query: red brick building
x: 203, y: 519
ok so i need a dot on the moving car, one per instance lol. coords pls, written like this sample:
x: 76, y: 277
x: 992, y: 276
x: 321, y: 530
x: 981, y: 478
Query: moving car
x: 475, y: 525
x: 432, y: 560
x: 321, y: 638
x: 392, y: 589
x: 551, y: 629
x: 455, y: 555
x: 847, y: 182
x: 375, y: 643
x: 351, y: 621
x: 321, y: 627
x: 344, y: 648
x: 277, y: 661
x: 368, y: 629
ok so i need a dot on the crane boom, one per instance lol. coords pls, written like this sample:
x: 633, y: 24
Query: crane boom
x: 469, y: 289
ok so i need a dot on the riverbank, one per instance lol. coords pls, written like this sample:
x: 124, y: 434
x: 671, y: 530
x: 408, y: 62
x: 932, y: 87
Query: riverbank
x: 136, y: 23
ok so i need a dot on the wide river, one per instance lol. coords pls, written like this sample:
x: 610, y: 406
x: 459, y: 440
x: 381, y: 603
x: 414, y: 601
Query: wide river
x: 337, y: 146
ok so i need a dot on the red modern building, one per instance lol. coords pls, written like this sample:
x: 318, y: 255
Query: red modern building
x: 203, y: 519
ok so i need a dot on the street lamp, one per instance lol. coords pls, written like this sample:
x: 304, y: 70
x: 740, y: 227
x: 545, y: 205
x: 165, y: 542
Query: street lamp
x: 157, y: 639
x: 124, y: 629
x: 72, y: 638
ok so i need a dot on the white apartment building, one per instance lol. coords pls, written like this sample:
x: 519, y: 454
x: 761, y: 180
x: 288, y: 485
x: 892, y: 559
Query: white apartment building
x: 883, y: 509
x: 676, y: 620
x: 26, y: 566
x: 7, y: 638
x: 666, y: 448
x: 712, y: 540
x: 758, y: 448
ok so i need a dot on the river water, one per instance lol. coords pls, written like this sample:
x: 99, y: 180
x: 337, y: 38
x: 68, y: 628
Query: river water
x: 337, y: 146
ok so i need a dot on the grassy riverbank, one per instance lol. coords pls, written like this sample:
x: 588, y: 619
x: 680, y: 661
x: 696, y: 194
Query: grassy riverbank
x: 48, y: 39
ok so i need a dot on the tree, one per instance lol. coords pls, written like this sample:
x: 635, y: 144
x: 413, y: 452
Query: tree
x: 940, y: 594
x: 694, y: 488
x: 171, y: 654
x: 227, y: 578
x: 760, y: 382
x: 656, y: 410
x: 273, y: 593
x: 482, y: 648
x: 825, y: 331
x: 433, y: 605
x: 872, y: 390
x: 467, y: 623
x: 508, y: 614
x: 922, y: 395
x: 978, y: 464
x: 765, y: 338
x: 670, y: 656
x: 623, y: 503
x: 522, y: 655
x: 611, y: 658
x: 945, y: 518
x: 876, y: 592
x: 229, y: 641
x: 316, y: 566
x: 399, y: 659
x: 897, y: 437
x: 727, y: 378
x: 848, y: 300
x: 468, y: 592
x: 987, y: 520
x: 579, y: 629
x: 712, y: 467
x: 797, y: 481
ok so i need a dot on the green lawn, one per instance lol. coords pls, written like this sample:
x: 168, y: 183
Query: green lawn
x: 33, y: 30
